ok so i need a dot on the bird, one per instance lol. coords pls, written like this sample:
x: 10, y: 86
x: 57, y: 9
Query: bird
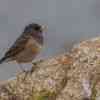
x: 27, y: 46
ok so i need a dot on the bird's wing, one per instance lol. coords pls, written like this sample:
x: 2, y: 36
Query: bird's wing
x: 17, y: 47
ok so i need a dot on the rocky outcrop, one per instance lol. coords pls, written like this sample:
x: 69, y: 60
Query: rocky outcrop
x: 70, y: 76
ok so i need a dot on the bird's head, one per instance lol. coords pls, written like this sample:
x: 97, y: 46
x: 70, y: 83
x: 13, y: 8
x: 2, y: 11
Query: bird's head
x: 36, y: 31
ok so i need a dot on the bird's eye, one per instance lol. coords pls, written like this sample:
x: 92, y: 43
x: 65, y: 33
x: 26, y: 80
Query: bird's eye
x: 37, y: 28
x: 32, y: 27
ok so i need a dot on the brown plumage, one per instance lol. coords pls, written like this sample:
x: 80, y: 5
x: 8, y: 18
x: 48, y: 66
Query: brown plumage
x: 27, y: 46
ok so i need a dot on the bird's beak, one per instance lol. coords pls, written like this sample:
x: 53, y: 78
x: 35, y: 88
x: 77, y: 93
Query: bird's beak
x: 45, y: 28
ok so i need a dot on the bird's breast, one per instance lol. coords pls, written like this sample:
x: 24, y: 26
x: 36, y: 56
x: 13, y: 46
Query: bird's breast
x: 32, y: 48
x: 33, y: 45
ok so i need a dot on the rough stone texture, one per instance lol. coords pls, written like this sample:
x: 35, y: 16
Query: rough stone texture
x: 84, y: 73
x: 69, y: 76
x: 46, y: 81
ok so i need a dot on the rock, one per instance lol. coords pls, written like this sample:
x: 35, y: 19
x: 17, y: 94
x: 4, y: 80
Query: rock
x: 70, y: 76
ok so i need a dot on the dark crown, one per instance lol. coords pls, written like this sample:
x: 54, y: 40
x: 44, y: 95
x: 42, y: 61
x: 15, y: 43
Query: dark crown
x: 32, y: 27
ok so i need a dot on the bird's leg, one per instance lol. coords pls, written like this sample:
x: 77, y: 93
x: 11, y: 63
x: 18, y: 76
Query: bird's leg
x: 24, y: 71
x: 35, y: 65
x: 33, y: 68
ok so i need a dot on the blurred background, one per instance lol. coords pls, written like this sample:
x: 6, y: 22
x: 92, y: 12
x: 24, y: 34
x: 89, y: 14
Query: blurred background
x: 69, y: 21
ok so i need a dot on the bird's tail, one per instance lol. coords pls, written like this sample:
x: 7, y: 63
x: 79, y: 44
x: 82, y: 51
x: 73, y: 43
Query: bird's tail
x: 2, y: 60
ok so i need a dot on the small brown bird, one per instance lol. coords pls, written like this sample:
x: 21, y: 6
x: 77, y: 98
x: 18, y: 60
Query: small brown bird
x: 27, y: 46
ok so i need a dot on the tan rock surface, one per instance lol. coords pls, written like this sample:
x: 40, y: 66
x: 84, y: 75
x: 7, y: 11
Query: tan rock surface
x: 69, y: 76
